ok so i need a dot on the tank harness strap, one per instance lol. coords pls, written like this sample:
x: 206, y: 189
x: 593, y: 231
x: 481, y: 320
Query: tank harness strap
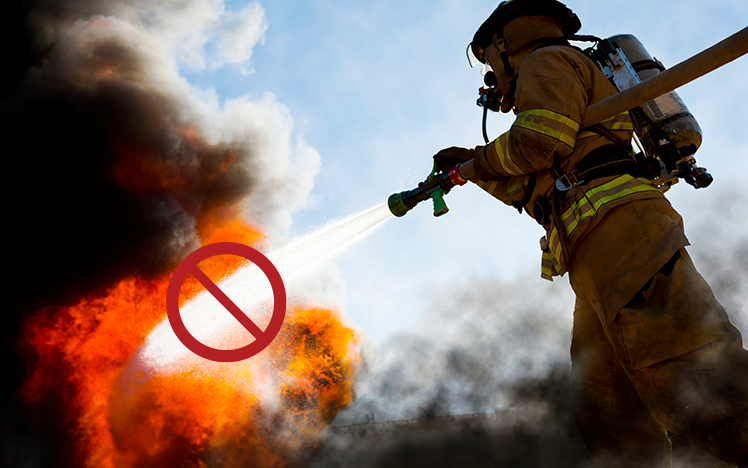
x: 541, y: 209
x: 558, y: 197
x: 647, y: 64
x: 605, y: 161
x: 553, y: 41
x: 520, y: 204
x: 606, y: 133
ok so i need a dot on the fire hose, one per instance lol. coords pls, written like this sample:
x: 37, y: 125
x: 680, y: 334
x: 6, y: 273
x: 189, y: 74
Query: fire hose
x: 438, y: 184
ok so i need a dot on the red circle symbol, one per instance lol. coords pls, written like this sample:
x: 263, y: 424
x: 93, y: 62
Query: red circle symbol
x: 262, y: 337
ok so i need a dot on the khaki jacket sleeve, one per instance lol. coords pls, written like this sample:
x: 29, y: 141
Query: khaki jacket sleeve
x: 552, y: 97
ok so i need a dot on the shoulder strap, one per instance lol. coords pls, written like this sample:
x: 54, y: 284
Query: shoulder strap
x: 556, y: 169
x: 605, y: 133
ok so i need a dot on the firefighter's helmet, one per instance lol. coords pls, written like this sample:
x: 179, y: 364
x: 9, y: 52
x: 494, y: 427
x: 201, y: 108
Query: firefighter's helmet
x: 510, y: 9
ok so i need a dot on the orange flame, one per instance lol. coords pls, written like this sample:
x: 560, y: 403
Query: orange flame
x: 189, y: 418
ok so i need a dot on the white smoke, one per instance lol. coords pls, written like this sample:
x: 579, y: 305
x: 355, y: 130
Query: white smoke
x: 164, y: 38
x: 476, y: 339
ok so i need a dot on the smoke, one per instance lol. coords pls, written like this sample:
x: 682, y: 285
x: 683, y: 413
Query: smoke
x: 117, y: 167
x: 720, y: 247
x: 476, y: 338
x: 494, y: 351
x: 485, y: 379
x: 119, y: 162
x: 536, y: 431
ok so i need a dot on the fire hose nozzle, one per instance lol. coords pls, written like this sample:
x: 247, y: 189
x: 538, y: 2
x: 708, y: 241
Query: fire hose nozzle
x: 434, y: 187
x: 397, y: 205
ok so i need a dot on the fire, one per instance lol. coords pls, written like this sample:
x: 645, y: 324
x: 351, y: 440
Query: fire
x: 196, y: 417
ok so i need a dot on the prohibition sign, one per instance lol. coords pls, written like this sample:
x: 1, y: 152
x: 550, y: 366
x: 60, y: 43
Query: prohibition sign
x: 262, y: 338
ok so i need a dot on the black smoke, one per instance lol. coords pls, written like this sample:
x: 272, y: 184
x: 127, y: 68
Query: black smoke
x: 485, y: 382
x: 535, y: 430
x: 106, y: 177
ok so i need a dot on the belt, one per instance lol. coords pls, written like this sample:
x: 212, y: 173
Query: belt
x: 605, y: 161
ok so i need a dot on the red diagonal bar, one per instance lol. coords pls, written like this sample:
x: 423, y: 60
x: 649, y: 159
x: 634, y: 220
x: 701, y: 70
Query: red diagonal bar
x: 225, y: 301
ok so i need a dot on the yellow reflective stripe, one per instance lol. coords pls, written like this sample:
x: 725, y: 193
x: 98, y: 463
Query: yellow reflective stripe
x: 618, y: 188
x: 547, y: 262
x: 569, y: 122
x: 546, y: 267
x: 618, y: 181
x: 624, y: 193
x: 501, y: 145
x: 554, y: 244
x: 622, y: 116
x: 549, y: 123
x: 628, y: 126
x: 488, y: 185
x: 517, y: 184
x: 621, y: 123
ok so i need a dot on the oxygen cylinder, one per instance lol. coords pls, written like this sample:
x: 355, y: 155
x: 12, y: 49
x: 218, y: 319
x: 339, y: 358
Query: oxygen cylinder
x: 666, y: 117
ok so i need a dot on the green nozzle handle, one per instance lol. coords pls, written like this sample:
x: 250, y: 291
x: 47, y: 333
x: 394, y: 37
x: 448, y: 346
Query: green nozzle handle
x: 440, y: 206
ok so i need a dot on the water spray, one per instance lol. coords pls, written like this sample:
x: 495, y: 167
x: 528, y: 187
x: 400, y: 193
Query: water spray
x: 248, y: 288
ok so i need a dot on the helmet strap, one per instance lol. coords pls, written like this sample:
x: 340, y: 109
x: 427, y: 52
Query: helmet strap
x: 507, y: 65
x: 501, y: 46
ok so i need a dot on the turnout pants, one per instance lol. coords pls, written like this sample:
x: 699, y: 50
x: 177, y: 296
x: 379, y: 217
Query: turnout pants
x: 652, y: 349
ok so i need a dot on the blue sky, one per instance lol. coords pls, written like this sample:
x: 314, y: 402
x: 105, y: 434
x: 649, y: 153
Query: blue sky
x: 378, y: 87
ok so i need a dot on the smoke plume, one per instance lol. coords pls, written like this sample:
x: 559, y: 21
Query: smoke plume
x: 118, y: 167
x: 475, y: 339
x: 118, y: 162
x: 485, y: 380
x: 495, y: 350
x: 720, y: 248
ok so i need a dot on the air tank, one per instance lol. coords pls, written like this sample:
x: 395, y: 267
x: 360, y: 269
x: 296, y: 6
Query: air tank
x: 665, y: 117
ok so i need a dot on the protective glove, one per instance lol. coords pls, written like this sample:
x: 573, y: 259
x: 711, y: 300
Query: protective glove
x: 452, y: 156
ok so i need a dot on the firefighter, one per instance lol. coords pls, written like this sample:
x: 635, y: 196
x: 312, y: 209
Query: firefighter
x: 652, y: 350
